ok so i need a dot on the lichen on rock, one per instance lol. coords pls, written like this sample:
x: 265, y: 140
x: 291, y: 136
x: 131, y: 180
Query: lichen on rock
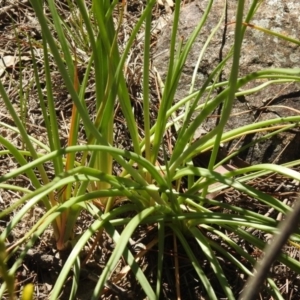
x: 259, y: 51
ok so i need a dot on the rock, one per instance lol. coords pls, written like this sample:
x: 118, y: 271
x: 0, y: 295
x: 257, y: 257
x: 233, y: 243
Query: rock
x: 259, y: 51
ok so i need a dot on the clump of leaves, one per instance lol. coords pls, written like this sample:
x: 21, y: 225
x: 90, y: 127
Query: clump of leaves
x: 153, y: 194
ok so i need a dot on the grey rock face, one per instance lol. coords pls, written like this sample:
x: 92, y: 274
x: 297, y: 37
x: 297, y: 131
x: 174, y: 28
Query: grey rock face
x: 259, y: 51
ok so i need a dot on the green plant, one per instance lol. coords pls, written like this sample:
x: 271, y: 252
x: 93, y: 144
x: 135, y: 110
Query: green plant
x: 152, y: 193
